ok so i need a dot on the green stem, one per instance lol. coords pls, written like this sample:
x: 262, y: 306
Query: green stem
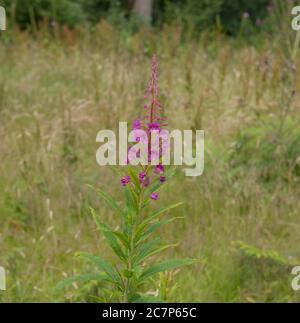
x: 131, y: 251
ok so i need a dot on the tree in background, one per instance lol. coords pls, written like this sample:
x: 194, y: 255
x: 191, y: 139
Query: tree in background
x: 144, y: 9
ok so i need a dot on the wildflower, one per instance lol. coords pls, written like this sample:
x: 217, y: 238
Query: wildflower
x: 159, y: 169
x: 142, y: 127
x: 142, y: 176
x: 162, y: 179
x: 125, y: 180
x: 137, y: 124
x: 133, y: 219
x: 154, y: 196
x: 153, y: 126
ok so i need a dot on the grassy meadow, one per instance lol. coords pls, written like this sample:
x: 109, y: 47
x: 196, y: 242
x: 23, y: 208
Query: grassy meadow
x: 241, y: 217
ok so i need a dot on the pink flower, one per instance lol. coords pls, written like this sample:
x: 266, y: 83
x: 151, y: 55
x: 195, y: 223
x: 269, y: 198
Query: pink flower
x: 125, y: 180
x: 159, y: 169
x: 137, y: 124
x: 154, y: 196
x: 162, y: 179
x: 142, y: 177
x: 153, y: 126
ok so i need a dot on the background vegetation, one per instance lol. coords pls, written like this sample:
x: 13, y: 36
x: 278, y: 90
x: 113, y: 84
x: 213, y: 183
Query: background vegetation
x: 201, y: 14
x: 71, y: 68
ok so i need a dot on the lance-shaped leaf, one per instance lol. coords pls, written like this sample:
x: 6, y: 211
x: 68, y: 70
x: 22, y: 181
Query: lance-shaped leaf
x: 109, y: 235
x: 166, y: 265
x: 144, y: 249
x: 144, y: 232
x: 157, y: 213
x: 81, y: 278
x: 112, y: 241
x: 102, y: 265
x: 134, y: 178
x: 122, y: 238
x: 150, y: 249
x: 131, y: 200
x: 109, y: 200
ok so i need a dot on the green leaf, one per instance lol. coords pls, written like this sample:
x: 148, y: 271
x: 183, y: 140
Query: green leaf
x: 148, y: 250
x: 143, y: 234
x: 127, y: 223
x: 112, y: 241
x: 81, y: 278
x: 134, y: 178
x: 111, y: 236
x: 130, y: 203
x: 122, y: 238
x: 161, y: 211
x: 134, y: 198
x: 166, y: 265
x: 110, y: 201
x: 144, y: 249
x: 96, y: 218
x: 101, y: 264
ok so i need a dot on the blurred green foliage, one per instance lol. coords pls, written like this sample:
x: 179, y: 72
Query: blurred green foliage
x: 196, y: 14
x: 235, y: 11
x: 273, y: 153
x: 30, y: 12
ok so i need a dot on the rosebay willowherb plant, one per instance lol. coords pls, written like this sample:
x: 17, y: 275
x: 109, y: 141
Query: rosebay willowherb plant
x: 137, y: 239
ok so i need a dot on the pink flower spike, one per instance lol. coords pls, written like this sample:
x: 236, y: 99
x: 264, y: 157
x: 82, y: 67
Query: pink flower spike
x: 154, y: 196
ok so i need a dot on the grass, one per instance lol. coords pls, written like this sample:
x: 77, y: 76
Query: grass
x: 57, y: 92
